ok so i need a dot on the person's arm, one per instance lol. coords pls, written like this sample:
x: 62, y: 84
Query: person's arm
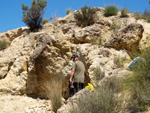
x: 72, y: 73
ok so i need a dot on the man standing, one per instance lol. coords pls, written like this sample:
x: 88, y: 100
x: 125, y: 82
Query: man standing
x: 77, y: 73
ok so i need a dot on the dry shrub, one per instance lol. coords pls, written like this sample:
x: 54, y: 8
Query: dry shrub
x: 119, y: 62
x: 137, y: 15
x: 98, y: 41
x: 103, y: 100
x: 98, y: 73
x: 124, y: 12
x: 114, y: 26
x: 54, y: 17
x: 53, y: 91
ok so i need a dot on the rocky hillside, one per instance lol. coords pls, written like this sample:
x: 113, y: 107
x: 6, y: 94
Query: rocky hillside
x: 32, y: 59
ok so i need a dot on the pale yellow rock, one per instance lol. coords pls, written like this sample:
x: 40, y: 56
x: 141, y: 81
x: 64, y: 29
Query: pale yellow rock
x: 34, y: 58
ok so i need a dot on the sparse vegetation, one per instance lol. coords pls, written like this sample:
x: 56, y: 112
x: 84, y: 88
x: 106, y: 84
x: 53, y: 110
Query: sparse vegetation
x: 124, y: 12
x: 114, y: 26
x: 138, y: 83
x: 137, y: 15
x: 146, y: 15
x: 32, y: 17
x: 97, y: 41
x: 100, y: 43
x: 103, y: 100
x: 44, y: 21
x: 85, y: 17
x: 110, y: 10
x: 98, y: 73
x: 68, y: 11
x: 54, y: 16
x: 119, y: 62
x: 53, y: 91
x: 3, y: 44
x: 125, y: 22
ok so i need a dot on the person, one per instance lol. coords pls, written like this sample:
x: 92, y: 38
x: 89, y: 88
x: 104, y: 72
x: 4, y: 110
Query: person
x: 78, y: 73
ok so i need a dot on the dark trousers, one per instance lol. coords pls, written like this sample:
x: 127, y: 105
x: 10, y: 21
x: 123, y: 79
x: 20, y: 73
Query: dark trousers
x: 71, y: 90
x: 77, y: 88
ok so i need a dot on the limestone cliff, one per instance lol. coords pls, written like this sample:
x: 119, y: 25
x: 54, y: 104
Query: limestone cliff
x: 31, y: 59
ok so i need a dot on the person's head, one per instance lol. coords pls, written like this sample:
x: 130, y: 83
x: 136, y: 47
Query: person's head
x: 75, y: 57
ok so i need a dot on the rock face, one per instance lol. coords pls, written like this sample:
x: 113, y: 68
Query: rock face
x: 104, y: 59
x: 9, y: 36
x: 127, y: 38
x: 46, y: 63
x: 14, y: 66
x: 87, y: 34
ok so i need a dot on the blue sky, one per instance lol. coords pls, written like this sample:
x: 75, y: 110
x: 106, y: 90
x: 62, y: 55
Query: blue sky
x: 11, y: 12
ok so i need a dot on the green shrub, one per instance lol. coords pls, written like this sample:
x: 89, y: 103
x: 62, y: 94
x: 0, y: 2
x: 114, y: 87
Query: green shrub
x: 124, y: 12
x: 110, y: 10
x: 68, y: 11
x: 32, y: 17
x: 98, y: 73
x: 100, y: 43
x: 44, y: 21
x: 3, y: 44
x: 103, y: 100
x: 85, y: 17
x: 138, y: 83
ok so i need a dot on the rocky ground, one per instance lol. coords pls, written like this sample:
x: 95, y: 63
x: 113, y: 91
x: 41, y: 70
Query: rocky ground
x: 24, y: 104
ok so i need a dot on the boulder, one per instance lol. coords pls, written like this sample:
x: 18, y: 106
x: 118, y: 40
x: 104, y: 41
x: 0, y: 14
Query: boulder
x: 87, y: 34
x: 9, y: 36
x: 73, y: 101
x: 127, y: 38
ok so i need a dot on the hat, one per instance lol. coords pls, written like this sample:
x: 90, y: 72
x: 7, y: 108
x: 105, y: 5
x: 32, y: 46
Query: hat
x: 75, y: 55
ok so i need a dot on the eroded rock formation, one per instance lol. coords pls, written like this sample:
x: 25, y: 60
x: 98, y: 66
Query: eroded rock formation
x: 34, y: 58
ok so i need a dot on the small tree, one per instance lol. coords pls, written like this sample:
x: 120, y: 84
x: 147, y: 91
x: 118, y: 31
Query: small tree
x: 32, y: 17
